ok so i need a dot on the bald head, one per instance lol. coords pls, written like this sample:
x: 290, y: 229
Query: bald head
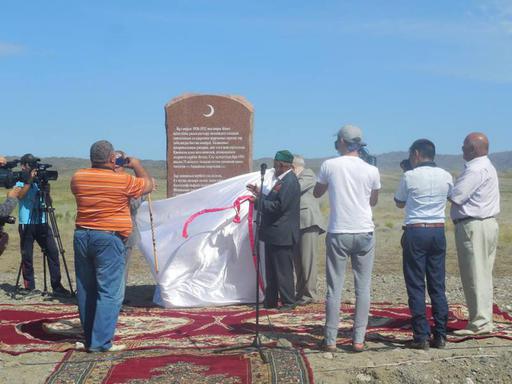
x: 476, y: 144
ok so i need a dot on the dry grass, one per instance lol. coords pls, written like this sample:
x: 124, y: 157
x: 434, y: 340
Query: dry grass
x: 388, y: 221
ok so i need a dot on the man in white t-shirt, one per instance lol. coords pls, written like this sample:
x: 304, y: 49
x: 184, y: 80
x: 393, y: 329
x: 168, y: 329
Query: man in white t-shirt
x: 353, y: 187
x: 423, y: 192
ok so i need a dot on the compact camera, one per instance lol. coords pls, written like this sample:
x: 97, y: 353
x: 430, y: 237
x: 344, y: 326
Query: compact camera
x: 405, y: 164
x: 122, y: 161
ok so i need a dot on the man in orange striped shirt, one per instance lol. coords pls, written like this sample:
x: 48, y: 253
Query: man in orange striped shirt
x: 103, y: 223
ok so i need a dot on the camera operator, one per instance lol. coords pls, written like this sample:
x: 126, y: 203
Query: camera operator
x: 5, y: 210
x: 34, y: 226
x: 12, y: 196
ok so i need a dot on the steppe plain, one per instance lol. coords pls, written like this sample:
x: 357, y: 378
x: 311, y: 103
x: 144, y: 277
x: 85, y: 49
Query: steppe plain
x: 476, y: 361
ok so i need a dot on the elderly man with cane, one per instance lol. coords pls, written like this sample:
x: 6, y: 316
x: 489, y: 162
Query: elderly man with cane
x: 311, y: 226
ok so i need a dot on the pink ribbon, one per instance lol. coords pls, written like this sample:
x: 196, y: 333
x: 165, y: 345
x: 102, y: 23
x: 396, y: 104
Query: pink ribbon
x: 236, y: 206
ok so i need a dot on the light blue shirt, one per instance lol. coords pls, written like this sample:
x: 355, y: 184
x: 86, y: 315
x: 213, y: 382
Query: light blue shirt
x: 424, y: 191
x: 29, y: 206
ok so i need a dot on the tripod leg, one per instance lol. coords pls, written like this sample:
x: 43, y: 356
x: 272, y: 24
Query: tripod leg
x: 17, y: 286
x: 56, y: 235
x: 45, y: 259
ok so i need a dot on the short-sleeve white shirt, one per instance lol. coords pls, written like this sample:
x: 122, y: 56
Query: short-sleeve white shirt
x: 350, y: 182
x: 476, y: 192
x: 424, y: 191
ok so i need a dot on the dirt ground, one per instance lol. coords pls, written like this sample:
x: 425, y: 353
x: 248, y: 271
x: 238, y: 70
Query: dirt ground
x: 476, y: 361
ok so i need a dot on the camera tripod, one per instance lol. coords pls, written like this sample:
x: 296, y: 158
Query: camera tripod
x: 46, y: 210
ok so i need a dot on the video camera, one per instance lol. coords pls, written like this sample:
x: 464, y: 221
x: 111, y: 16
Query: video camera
x: 7, y: 220
x: 365, y: 155
x: 43, y: 175
x: 362, y: 152
x: 8, y: 177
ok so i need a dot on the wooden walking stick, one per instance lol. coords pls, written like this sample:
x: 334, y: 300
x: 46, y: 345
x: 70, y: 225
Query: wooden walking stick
x: 152, y: 232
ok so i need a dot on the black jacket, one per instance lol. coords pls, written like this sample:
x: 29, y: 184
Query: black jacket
x: 280, y: 221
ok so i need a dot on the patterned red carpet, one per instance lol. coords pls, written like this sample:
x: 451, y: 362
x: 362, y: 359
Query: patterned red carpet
x: 181, y: 366
x: 47, y: 327
x: 172, y: 343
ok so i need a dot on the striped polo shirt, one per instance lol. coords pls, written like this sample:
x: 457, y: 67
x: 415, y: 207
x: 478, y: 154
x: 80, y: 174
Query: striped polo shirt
x: 102, y: 199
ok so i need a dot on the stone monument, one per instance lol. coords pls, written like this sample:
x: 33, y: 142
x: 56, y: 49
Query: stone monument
x: 209, y: 138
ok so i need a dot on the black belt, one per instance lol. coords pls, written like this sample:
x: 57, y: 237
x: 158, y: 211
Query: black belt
x: 462, y: 219
x: 101, y: 230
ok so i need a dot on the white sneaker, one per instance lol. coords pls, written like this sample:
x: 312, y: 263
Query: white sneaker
x: 79, y: 346
x: 116, y: 348
x: 470, y: 332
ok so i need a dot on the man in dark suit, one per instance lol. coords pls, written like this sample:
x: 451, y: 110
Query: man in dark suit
x: 280, y: 231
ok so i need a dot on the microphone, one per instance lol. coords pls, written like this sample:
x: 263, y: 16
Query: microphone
x: 263, y: 168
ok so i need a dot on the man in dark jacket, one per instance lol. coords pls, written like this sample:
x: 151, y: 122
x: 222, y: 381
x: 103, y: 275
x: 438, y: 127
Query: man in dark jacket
x: 280, y: 231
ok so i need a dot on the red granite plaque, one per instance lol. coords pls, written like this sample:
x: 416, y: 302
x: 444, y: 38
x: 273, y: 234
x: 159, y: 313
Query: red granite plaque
x: 209, y: 138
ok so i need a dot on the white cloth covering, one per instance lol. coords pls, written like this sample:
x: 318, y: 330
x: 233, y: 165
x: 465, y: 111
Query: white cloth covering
x: 214, y: 266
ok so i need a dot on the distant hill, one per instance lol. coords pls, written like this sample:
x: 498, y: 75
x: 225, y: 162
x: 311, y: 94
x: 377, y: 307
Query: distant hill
x: 387, y: 162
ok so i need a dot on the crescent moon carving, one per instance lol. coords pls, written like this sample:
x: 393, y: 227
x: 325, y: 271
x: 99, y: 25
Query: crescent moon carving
x: 212, y: 111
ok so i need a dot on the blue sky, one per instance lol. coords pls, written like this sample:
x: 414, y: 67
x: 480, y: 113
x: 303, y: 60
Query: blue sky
x: 75, y: 72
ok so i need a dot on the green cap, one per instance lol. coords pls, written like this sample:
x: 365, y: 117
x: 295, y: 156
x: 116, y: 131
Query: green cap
x: 284, y: 156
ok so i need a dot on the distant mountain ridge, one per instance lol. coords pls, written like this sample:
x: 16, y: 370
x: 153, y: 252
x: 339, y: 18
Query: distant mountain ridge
x: 390, y: 162
x: 387, y: 162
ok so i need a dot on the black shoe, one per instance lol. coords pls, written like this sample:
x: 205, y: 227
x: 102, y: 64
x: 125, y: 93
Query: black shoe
x: 59, y: 290
x: 438, y: 342
x: 287, y: 307
x: 28, y: 291
x: 412, y: 344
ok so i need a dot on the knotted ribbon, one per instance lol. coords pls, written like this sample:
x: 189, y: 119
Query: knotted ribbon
x: 236, y: 206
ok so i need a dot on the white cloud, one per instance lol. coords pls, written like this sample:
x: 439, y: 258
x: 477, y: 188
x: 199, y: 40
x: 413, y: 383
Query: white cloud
x: 499, y: 12
x: 8, y: 49
x: 477, y: 45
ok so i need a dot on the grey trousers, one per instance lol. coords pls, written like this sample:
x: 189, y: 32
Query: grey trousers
x: 360, y: 248
x: 476, y: 242
x: 305, y: 263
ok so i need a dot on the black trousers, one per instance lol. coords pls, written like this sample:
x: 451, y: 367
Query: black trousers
x: 424, y: 251
x: 279, y: 275
x: 43, y: 235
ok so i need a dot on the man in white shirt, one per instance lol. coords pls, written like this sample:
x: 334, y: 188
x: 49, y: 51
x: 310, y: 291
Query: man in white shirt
x: 423, y: 191
x: 475, y: 205
x: 353, y: 187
